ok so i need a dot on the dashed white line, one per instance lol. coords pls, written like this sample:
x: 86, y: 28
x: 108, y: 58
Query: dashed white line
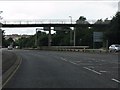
x: 92, y: 58
x: 68, y: 61
x: 63, y: 59
x: 91, y: 67
x: 77, y: 61
x: 102, y: 60
x: 73, y: 63
x: 116, y: 80
x: 103, y: 71
x: 92, y: 70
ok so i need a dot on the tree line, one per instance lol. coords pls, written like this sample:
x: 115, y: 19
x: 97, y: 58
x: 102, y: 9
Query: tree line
x: 84, y: 35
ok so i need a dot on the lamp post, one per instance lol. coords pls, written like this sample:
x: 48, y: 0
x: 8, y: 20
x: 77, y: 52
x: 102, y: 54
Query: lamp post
x: 74, y: 36
x: 0, y: 30
x: 0, y: 16
x: 36, y: 38
x: 70, y: 30
x: 70, y: 19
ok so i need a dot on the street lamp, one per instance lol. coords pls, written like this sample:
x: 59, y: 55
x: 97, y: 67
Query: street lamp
x: 70, y: 19
x: 70, y: 30
x: 1, y: 12
x: 71, y: 33
x: 1, y: 30
x: 36, y: 39
x: 74, y: 36
x: 0, y: 16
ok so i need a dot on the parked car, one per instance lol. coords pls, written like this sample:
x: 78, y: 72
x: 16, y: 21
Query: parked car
x: 114, y: 48
x: 16, y: 47
x: 10, y: 47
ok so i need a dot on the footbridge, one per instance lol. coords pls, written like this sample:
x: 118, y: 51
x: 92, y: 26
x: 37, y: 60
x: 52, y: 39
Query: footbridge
x: 57, y: 24
x: 50, y: 23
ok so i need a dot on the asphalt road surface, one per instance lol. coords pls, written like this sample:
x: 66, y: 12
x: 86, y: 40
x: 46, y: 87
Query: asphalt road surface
x: 52, y: 69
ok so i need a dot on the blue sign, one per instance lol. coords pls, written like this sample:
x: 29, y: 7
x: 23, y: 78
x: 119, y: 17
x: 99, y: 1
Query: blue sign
x: 97, y: 36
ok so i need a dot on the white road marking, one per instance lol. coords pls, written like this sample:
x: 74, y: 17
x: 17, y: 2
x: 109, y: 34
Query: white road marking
x: 102, y: 60
x: 92, y: 70
x: 68, y: 61
x: 89, y: 61
x: 92, y: 58
x: 91, y: 67
x: 73, y: 63
x: 63, y: 59
x: 77, y: 61
x: 103, y: 71
x: 116, y: 80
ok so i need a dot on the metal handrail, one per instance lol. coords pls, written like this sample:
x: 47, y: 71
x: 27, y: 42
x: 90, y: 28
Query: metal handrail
x: 43, y: 21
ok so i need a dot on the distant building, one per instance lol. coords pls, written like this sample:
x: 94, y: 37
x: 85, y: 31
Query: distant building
x: 16, y: 36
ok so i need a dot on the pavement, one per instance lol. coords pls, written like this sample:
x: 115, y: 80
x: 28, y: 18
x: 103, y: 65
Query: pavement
x: 53, y: 69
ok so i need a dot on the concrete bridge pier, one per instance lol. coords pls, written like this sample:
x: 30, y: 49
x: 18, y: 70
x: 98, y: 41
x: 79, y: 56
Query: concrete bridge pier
x: 49, y: 37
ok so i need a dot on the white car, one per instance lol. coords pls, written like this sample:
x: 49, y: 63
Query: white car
x: 114, y: 48
x: 10, y: 47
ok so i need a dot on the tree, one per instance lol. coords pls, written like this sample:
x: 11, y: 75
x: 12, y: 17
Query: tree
x: 83, y: 34
x: 4, y: 42
x: 10, y: 41
x: 113, y: 32
x: 61, y: 37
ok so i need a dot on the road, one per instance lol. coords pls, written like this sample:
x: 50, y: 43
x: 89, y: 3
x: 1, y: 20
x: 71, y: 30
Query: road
x: 52, y: 69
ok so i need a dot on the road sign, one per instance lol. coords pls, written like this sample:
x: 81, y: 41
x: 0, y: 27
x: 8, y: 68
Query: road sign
x: 46, y: 28
x: 61, y: 29
x: 97, y: 36
x: 58, y: 28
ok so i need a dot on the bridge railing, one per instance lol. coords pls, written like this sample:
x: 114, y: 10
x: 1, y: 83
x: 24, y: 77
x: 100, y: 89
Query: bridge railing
x: 38, y: 21
x: 45, y: 21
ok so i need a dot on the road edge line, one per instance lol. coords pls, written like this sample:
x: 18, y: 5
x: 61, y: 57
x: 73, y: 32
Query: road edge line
x: 14, y: 69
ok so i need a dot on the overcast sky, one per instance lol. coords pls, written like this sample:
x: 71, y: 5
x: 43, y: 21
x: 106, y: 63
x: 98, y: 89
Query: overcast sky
x: 55, y: 10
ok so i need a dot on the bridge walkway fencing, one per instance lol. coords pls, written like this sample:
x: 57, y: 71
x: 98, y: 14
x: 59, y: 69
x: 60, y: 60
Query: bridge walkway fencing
x: 45, y: 21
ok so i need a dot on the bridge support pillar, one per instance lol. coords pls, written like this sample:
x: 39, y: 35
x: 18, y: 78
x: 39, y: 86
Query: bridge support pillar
x: 49, y: 37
